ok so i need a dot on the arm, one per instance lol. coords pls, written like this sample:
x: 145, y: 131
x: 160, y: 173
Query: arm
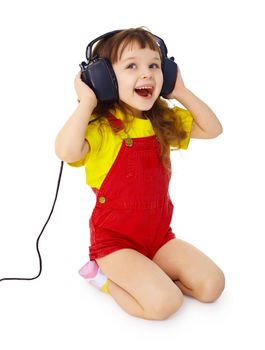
x: 70, y: 143
x: 205, y: 124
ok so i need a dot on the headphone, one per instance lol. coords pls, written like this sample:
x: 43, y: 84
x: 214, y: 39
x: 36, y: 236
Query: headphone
x: 99, y: 75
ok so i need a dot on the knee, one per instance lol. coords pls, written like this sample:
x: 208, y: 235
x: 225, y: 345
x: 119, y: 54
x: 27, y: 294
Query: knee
x: 166, y: 305
x: 211, y: 288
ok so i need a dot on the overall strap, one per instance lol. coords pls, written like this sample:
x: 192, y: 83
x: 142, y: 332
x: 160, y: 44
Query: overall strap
x: 115, y: 123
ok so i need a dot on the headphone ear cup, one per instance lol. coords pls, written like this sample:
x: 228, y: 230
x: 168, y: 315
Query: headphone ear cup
x: 100, y: 77
x: 170, y: 70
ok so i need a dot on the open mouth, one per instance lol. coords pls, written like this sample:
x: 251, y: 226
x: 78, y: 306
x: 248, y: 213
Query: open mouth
x: 144, y: 91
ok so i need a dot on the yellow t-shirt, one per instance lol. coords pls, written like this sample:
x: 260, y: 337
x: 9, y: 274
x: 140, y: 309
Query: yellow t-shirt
x: 105, y: 146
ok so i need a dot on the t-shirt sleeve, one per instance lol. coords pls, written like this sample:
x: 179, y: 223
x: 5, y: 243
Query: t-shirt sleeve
x: 80, y: 162
x: 93, y: 137
x: 186, y: 119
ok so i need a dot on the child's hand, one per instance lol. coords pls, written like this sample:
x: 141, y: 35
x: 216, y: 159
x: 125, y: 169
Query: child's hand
x: 178, y: 88
x: 84, y: 92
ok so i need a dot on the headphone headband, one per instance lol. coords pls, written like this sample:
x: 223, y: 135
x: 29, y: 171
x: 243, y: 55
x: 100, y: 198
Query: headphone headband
x: 159, y: 41
x: 90, y: 45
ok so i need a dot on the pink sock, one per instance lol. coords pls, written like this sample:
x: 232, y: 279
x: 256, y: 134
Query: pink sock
x: 91, y: 272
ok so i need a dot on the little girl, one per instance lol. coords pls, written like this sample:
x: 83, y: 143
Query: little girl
x: 125, y: 145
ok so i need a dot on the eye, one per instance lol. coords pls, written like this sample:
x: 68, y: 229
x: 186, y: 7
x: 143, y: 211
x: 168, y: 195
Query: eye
x: 154, y: 65
x: 131, y: 66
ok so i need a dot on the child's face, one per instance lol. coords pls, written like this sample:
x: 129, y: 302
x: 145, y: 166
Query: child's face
x: 139, y: 67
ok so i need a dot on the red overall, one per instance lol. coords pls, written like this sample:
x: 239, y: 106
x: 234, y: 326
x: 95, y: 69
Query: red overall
x: 133, y: 208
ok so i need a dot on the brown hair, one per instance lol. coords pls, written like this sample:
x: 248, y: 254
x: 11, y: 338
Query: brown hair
x: 166, y: 125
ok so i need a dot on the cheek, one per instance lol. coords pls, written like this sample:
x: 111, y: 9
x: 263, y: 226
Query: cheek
x: 160, y: 79
x: 125, y: 85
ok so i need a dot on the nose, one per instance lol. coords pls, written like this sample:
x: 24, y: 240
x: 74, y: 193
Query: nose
x: 145, y: 75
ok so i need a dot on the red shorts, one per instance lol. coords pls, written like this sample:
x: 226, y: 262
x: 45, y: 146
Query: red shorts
x: 111, y: 231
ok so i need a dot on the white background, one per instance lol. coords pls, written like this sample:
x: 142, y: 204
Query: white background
x: 217, y: 186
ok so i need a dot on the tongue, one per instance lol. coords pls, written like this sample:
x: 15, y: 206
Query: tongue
x: 142, y: 92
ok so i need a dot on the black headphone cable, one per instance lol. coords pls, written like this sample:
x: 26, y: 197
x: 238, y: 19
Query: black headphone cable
x: 37, y: 242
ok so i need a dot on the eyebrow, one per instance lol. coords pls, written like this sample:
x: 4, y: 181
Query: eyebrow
x: 133, y: 58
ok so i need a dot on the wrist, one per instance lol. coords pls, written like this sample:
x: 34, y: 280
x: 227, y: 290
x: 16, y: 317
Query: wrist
x: 87, y: 104
x: 182, y: 95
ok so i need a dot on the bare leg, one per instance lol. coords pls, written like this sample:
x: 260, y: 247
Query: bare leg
x: 139, y: 286
x: 125, y: 300
x: 193, y: 272
x: 185, y: 290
